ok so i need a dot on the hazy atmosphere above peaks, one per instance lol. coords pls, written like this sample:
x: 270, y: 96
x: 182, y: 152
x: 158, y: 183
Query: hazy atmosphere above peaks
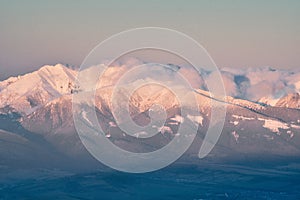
x: 236, y: 33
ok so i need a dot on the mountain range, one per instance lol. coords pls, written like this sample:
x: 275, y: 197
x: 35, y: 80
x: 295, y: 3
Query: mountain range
x: 37, y: 127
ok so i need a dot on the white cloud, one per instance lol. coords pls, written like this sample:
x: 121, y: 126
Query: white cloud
x: 250, y: 84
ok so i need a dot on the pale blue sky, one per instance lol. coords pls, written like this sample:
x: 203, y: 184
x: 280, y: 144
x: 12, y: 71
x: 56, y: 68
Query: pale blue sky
x: 236, y: 33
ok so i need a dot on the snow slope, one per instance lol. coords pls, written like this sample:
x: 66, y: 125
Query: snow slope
x: 25, y: 93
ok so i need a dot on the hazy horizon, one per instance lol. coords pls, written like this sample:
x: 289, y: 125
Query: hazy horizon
x: 237, y: 34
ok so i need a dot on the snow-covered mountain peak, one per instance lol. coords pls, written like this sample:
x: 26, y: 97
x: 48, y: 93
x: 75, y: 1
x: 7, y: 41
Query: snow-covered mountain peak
x: 52, y: 68
x: 24, y: 93
x: 290, y: 101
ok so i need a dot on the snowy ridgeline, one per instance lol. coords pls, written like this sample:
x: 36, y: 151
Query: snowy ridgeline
x: 43, y: 103
x: 265, y: 85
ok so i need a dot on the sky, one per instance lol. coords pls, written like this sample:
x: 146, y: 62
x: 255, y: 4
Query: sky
x: 236, y: 33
